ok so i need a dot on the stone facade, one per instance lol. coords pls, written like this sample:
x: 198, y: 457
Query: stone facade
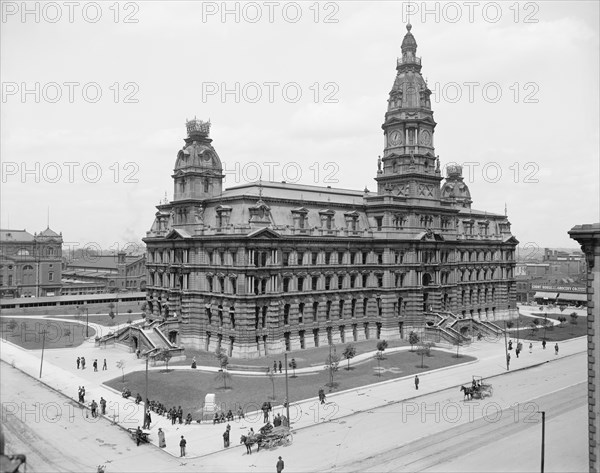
x: 588, y: 236
x: 266, y: 267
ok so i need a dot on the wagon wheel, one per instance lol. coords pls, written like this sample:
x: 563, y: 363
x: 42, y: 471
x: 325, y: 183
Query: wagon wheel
x: 491, y: 390
x: 287, y: 439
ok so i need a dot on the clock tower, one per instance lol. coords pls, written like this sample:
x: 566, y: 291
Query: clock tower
x: 409, y: 167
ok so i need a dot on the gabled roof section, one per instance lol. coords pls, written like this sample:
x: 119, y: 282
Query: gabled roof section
x: 510, y: 240
x: 15, y: 235
x: 326, y: 212
x: 300, y: 210
x: 49, y: 233
x: 177, y: 234
x: 264, y: 232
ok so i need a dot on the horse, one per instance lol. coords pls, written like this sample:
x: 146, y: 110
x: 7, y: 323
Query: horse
x: 468, y: 392
x: 249, y: 441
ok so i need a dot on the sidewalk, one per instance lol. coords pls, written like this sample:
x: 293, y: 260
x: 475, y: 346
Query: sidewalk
x: 60, y: 373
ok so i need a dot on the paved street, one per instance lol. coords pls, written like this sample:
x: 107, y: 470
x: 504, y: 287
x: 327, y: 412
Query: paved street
x: 328, y: 428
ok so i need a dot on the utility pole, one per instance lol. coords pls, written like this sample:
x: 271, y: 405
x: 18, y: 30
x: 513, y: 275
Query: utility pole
x: 43, y: 346
x: 505, y: 345
x: 287, y: 395
x: 147, y: 358
x: 543, y: 439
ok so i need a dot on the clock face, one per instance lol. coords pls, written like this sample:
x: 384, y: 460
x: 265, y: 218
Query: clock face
x: 395, y: 138
x: 425, y: 137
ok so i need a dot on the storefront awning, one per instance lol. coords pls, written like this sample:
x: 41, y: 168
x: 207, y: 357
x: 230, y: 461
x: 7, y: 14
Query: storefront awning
x: 545, y: 295
x: 573, y: 297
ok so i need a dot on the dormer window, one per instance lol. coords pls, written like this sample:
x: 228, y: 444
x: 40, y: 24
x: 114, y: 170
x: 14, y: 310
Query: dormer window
x: 327, y: 219
x: 223, y: 216
x: 300, y: 218
x: 352, y: 221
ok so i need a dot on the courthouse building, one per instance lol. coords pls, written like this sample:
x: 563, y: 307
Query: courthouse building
x: 266, y: 267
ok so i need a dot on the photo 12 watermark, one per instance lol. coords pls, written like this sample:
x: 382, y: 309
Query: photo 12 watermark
x: 69, y: 12
x: 69, y: 172
x: 269, y: 92
x: 69, y: 92
x: 270, y: 12
x: 471, y: 12
x: 288, y: 172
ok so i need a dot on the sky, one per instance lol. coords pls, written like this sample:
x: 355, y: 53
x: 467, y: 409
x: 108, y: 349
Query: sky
x: 95, y: 98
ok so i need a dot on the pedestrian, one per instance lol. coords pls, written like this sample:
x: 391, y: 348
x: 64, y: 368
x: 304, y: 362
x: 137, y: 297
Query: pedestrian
x: 226, y: 438
x: 280, y: 465
x: 416, y: 382
x: 274, y: 366
x: 280, y: 366
x: 180, y: 415
x: 556, y: 349
x: 104, y: 367
x: 182, y: 444
x: 78, y: 362
x: 240, y: 413
x: 161, y: 438
x: 517, y: 351
x: 138, y: 435
x: 544, y: 344
x: 82, y: 363
x: 95, y: 364
x: 103, y: 405
x: 265, y: 409
x: 322, y: 395
x: 94, y: 406
x: 530, y: 347
x: 508, y: 360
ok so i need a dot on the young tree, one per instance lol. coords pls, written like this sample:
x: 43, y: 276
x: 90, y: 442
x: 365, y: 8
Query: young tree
x: 12, y: 324
x: 111, y: 313
x: 164, y: 355
x: 349, y: 353
x: 413, y: 339
x: 573, y: 316
x: 332, y: 363
x: 121, y: 366
x: 271, y: 376
x: 223, y: 360
x: 562, y: 319
x: 510, y: 324
x: 381, y: 346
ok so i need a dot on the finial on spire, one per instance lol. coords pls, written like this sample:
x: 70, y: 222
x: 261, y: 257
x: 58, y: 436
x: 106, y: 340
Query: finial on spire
x: 505, y: 210
x: 408, y: 26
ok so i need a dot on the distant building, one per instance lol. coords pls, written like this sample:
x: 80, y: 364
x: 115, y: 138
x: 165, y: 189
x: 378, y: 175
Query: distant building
x: 30, y: 265
x: 97, y: 274
x: 588, y: 236
x: 270, y: 267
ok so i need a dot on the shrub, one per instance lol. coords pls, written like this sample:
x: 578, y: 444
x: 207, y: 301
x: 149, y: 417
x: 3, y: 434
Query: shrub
x: 413, y: 339
x: 574, y: 318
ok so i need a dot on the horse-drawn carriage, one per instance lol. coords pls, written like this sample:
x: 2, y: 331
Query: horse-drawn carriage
x: 268, y: 437
x: 478, y: 389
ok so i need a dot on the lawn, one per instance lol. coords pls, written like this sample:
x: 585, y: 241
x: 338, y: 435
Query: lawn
x: 27, y: 332
x: 304, y: 358
x: 552, y: 333
x: 188, y: 387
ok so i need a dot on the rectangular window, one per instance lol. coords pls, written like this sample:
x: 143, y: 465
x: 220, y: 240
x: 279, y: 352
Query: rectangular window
x: 379, y: 223
x: 285, y: 257
x: 50, y: 276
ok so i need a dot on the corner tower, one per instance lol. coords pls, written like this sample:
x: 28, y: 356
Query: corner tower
x: 410, y: 167
x: 198, y: 172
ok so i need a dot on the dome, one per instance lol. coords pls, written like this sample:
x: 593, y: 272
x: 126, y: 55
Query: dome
x: 196, y: 155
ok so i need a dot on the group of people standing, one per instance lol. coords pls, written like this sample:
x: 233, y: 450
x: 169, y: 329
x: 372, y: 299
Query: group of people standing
x: 81, y: 363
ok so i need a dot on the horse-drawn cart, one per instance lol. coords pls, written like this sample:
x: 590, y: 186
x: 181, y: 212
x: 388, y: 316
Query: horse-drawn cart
x: 268, y: 437
x: 479, y: 389
x: 277, y: 436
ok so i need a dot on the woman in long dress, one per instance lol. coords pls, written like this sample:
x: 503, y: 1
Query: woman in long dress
x: 161, y: 439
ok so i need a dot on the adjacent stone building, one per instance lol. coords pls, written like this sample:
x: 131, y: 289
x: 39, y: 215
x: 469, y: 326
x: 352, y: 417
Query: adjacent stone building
x: 30, y: 265
x: 267, y: 267
x: 588, y: 236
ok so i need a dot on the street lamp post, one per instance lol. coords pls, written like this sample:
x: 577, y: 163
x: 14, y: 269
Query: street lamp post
x: 543, y: 439
x: 43, y: 346
x: 505, y: 345
x: 287, y: 395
